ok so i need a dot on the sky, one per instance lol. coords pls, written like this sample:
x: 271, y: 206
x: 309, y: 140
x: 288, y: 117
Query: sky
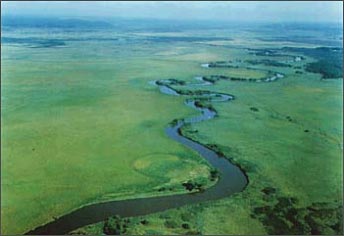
x: 269, y: 11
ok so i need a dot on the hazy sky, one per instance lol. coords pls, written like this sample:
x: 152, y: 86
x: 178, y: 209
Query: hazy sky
x: 317, y: 11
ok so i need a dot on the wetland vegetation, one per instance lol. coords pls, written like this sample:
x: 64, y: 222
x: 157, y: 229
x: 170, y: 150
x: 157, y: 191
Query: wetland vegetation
x: 95, y: 112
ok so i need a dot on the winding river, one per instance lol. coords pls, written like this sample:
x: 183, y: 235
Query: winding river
x: 232, y: 179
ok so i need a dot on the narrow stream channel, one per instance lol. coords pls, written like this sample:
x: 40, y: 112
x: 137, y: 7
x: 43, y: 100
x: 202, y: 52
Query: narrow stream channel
x: 231, y: 180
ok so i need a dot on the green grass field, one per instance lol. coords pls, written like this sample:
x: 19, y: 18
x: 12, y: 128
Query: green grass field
x: 81, y: 124
x: 77, y: 131
x: 292, y: 144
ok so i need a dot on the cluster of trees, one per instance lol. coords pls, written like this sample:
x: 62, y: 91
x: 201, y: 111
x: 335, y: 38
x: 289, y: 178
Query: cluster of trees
x: 281, y: 215
x: 200, y: 182
x: 327, y: 68
x: 330, y: 60
x: 222, y: 64
x: 197, y: 184
x: 117, y: 225
x: 268, y: 62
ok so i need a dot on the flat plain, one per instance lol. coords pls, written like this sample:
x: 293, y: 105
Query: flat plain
x: 82, y: 124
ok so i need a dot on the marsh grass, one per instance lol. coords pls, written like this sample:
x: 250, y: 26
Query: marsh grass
x: 81, y: 124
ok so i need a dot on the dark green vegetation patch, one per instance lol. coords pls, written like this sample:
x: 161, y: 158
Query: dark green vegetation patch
x: 330, y: 60
x: 222, y: 64
x: 281, y: 215
x: 268, y: 62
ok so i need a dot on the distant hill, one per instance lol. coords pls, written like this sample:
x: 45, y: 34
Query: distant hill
x: 126, y: 24
x: 45, y: 22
